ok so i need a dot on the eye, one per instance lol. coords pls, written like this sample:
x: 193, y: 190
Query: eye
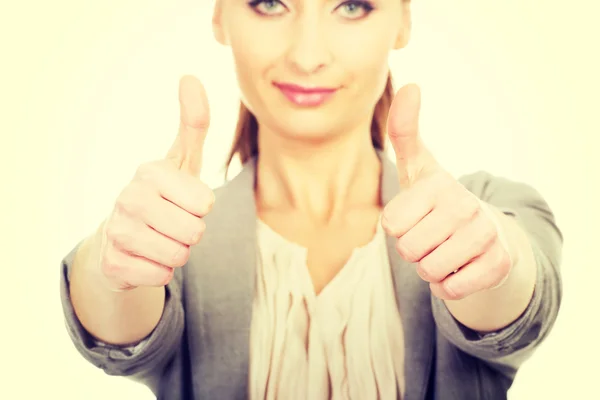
x: 267, y: 7
x: 356, y: 9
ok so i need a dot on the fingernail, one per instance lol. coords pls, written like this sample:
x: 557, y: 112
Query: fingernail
x: 385, y: 223
x: 422, y: 273
x: 196, y: 237
x: 450, y: 289
x: 210, y: 203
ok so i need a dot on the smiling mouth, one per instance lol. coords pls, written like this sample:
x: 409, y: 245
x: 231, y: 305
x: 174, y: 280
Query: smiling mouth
x: 305, y: 96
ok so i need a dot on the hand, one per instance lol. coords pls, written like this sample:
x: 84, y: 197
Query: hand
x: 453, y: 236
x: 158, y: 215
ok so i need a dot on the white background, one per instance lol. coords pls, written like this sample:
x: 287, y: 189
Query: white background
x: 88, y: 90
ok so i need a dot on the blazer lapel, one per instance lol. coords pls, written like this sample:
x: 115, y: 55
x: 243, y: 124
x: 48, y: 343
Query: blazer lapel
x: 223, y: 287
x: 414, y: 302
x: 220, y: 285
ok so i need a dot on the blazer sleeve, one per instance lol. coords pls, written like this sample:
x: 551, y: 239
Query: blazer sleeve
x: 142, y: 362
x: 509, y: 347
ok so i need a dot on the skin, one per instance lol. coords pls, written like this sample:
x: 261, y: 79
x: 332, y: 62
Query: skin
x: 318, y: 177
x: 318, y: 173
x: 119, y: 272
x: 475, y: 258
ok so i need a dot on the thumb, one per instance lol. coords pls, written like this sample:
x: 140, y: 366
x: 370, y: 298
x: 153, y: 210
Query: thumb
x: 186, y: 151
x: 413, y: 160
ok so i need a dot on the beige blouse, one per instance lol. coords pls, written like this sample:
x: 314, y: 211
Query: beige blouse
x: 345, y: 343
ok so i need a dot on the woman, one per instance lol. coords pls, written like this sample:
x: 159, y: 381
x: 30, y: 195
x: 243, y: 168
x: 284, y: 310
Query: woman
x: 321, y: 270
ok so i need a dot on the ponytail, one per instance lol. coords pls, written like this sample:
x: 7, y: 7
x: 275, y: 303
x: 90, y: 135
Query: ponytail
x: 245, y: 143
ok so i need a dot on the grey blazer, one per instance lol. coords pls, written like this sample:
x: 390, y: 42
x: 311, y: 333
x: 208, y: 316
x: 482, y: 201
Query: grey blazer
x: 200, y: 348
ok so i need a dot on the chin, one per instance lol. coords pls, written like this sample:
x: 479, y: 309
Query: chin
x: 311, y: 126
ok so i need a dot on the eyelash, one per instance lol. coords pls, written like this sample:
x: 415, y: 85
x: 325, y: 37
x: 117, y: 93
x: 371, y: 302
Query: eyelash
x: 255, y: 3
x: 367, y: 6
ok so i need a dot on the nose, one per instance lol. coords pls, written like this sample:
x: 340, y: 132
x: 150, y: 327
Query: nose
x: 308, y: 51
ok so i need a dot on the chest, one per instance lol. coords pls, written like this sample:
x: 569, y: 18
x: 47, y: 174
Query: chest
x: 328, y: 247
x: 219, y: 290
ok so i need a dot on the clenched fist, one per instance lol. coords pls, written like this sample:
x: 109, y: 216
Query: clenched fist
x: 453, y: 236
x: 159, y: 214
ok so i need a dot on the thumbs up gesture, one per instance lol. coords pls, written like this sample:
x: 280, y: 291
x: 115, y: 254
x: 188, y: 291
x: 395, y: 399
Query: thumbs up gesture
x: 453, y: 237
x: 158, y: 215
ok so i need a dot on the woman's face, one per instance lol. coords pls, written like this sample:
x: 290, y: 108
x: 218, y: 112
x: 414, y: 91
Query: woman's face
x: 312, y: 68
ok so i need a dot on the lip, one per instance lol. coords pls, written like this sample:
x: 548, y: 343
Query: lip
x: 305, y: 96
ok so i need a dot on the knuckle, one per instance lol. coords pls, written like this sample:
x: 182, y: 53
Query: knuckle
x: 496, y: 282
x: 484, y: 236
x: 147, y: 171
x: 140, y: 207
x: 453, y: 293
x: 110, y: 231
x: 198, y: 121
x: 454, y: 288
x: 201, y: 226
x: 127, y: 201
x: 133, y: 201
x: 503, y: 265
x: 126, y: 241
x: 180, y: 258
x: 114, y: 233
x: 110, y: 268
x: 423, y: 273
x: 199, y: 229
x: 194, y: 232
x: 406, y: 251
x: 118, y: 236
x: 489, y: 232
x: 206, y: 199
x: 468, y: 207
x: 389, y: 222
x: 428, y: 270
x: 165, y: 276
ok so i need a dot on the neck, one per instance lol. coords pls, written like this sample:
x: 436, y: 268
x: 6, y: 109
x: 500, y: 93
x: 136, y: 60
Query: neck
x: 319, y: 179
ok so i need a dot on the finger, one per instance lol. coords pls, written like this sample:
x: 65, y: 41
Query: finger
x: 447, y: 217
x: 484, y: 272
x: 191, y: 195
x: 467, y: 243
x: 186, y: 151
x: 413, y: 160
x: 426, y: 236
x: 183, y: 190
x: 136, y: 238
x: 172, y: 221
x: 405, y: 210
x: 403, y: 123
x: 134, y: 271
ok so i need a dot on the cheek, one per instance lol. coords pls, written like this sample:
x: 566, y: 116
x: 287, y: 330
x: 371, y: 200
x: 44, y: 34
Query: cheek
x: 369, y: 65
x: 249, y: 63
x: 255, y: 52
x: 257, y: 45
x: 373, y: 37
x: 373, y: 48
